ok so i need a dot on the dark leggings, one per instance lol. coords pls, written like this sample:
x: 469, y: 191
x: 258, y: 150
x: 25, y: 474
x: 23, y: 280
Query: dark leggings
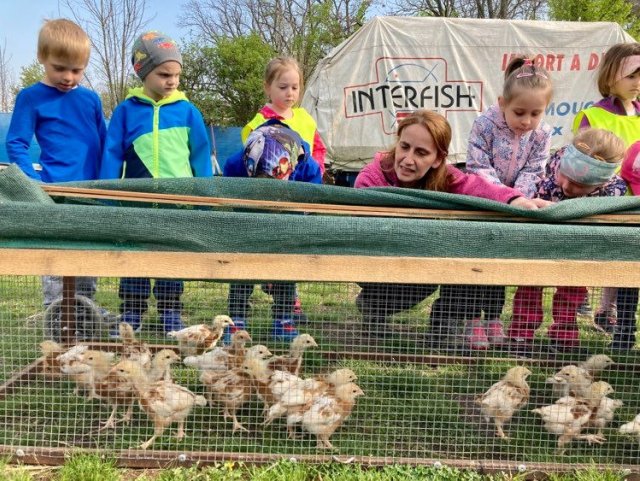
x: 627, y: 301
x: 284, y: 294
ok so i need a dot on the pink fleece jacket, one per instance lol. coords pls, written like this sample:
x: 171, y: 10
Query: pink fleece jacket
x: 372, y: 175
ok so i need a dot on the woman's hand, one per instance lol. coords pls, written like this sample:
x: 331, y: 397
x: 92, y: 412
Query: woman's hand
x: 530, y: 204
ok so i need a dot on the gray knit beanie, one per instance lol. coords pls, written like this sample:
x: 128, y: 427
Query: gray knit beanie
x: 152, y: 49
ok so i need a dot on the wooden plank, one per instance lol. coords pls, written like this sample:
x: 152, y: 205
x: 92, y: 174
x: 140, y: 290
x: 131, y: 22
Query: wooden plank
x: 136, y: 458
x: 276, y: 267
x: 326, y: 209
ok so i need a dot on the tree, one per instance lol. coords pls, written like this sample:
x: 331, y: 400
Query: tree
x: 113, y: 26
x: 225, y: 80
x: 304, y: 29
x: 619, y: 11
x: 29, y: 75
x: 505, y: 9
x: 6, y: 80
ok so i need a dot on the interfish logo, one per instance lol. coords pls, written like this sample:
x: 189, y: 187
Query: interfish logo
x: 409, y: 84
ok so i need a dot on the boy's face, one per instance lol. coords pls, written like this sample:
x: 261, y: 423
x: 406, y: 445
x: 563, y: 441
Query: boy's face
x: 573, y: 189
x: 162, y: 81
x: 62, y: 74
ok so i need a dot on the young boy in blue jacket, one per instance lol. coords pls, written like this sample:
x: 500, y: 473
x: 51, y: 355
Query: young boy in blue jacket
x: 155, y: 133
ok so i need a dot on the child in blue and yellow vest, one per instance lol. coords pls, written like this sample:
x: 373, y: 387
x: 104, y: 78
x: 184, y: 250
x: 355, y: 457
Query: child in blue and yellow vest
x: 282, y: 85
x: 618, y: 112
x: 155, y: 133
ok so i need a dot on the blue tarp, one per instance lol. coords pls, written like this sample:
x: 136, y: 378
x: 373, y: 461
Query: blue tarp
x: 226, y: 141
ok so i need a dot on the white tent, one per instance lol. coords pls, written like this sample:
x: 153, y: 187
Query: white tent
x: 394, y: 65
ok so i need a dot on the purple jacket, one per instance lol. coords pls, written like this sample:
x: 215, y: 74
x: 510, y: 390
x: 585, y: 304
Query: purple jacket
x: 372, y: 175
x: 503, y: 157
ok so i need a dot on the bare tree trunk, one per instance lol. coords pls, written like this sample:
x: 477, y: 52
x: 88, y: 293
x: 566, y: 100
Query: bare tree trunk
x: 6, y: 80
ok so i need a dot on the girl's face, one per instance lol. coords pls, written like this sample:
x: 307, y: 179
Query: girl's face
x: 284, y: 91
x: 525, y: 110
x: 573, y: 189
x: 415, y: 154
x: 627, y: 88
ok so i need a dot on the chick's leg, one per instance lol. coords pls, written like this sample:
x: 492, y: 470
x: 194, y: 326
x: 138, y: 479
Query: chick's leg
x: 110, y: 423
x: 236, y: 424
x: 499, y: 432
x: 158, y: 430
x: 128, y: 415
x: 592, y: 438
x: 180, y: 434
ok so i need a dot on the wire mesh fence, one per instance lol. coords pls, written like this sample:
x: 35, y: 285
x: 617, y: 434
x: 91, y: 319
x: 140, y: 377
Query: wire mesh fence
x: 423, y: 356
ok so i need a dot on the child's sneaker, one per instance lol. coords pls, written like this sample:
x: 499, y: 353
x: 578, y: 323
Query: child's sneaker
x: 495, y: 332
x: 238, y: 324
x: 299, y: 317
x: 133, y: 318
x: 171, y: 320
x: 284, y: 330
x: 476, y: 336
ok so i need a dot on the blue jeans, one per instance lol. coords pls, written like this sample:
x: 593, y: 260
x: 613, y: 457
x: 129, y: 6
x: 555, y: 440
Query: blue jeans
x: 135, y: 291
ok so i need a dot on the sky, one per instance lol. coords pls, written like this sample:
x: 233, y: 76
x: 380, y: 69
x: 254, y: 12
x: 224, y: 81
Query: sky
x: 21, y: 20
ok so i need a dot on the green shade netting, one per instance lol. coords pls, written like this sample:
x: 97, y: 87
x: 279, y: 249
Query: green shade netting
x: 30, y: 219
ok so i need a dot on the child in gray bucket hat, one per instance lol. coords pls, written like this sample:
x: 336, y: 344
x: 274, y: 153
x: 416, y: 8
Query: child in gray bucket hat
x: 155, y: 133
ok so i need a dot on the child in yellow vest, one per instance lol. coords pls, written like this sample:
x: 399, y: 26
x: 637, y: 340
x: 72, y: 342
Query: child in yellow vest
x: 618, y: 112
x: 283, y: 86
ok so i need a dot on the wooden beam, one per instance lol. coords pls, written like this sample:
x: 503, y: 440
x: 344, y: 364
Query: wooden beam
x: 281, y: 267
x: 317, y: 208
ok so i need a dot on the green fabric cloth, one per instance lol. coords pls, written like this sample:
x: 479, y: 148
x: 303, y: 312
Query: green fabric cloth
x: 29, y: 219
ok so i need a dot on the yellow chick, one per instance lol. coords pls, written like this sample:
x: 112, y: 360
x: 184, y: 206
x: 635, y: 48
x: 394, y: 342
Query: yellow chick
x: 569, y: 415
x: 632, y: 427
x: 194, y: 340
x: 604, y: 413
x: 160, y: 368
x: 49, y: 363
x: 233, y: 389
x: 505, y: 397
x: 327, y: 413
x: 164, y: 402
x: 292, y: 362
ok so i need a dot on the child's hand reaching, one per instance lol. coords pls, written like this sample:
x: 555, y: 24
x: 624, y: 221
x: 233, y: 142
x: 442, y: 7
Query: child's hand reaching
x: 530, y: 204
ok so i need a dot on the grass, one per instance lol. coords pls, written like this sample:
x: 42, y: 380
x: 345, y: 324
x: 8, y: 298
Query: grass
x: 95, y: 468
x: 410, y: 410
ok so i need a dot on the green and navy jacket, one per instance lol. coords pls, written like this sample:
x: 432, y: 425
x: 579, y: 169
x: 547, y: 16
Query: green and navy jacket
x: 163, y: 139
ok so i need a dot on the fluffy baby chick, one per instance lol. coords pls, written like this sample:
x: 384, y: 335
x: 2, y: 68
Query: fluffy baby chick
x: 164, y: 402
x: 132, y: 348
x: 214, y: 366
x: 570, y: 381
x: 505, y: 397
x: 569, y: 415
x: 233, y: 389
x: 49, y: 363
x: 632, y: 427
x: 573, y: 380
x: 604, y: 413
x: 87, y: 369
x: 596, y: 364
x: 222, y: 359
x: 327, y: 413
x: 160, y: 368
x: 295, y: 395
x: 292, y: 362
x: 194, y: 340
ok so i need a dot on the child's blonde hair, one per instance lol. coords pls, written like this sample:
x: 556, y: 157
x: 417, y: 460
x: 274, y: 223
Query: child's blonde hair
x: 277, y: 66
x: 63, y: 39
x: 611, y: 63
x: 522, y: 74
x: 600, y: 144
